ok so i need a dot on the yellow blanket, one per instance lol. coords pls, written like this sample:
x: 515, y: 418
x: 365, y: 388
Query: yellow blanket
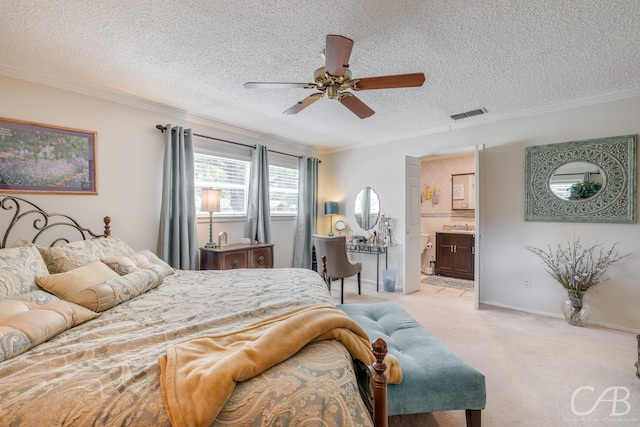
x: 198, y: 375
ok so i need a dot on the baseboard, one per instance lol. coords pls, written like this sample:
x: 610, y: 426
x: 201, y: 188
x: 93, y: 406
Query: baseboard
x: 559, y: 316
x: 616, y: 327
x: 526, y: 310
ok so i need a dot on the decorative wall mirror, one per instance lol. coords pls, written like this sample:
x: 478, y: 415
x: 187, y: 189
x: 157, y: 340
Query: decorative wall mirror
x: 367, y: 208
x: 582, y: 181
x: 463, y: 191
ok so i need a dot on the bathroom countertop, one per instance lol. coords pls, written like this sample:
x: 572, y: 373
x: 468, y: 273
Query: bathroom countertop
x: 457, y: 231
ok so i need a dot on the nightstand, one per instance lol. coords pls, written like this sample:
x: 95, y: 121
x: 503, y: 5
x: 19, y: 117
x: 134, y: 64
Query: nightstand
x: 228, y: 257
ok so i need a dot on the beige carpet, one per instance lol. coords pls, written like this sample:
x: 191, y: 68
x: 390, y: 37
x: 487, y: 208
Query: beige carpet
x: 537, y: 368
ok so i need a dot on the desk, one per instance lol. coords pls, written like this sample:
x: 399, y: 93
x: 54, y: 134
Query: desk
x: 372, y: 248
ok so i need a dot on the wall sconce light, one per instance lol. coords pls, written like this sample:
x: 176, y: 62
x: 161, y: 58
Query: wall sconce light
x: 331, y: 208
x: 210, y: 203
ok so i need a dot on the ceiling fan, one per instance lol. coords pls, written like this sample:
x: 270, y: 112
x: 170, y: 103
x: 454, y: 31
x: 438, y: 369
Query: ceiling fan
x: 334, y: 80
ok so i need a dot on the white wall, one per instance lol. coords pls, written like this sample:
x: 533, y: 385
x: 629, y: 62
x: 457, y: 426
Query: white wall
x: 130, y: 151
x: 503, y: 233
x: 347, y: 172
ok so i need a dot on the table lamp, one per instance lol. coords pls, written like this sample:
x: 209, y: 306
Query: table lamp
x: 331, y: 208
x: 210, y: 203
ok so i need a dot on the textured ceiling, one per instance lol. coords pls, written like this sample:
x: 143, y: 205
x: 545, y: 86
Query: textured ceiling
x: 512, y: 57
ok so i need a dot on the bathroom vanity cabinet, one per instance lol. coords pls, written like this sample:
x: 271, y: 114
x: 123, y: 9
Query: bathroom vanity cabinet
x: 455, y: 255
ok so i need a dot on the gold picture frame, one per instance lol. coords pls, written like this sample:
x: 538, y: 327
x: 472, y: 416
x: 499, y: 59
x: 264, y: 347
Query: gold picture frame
x: 40, y: 158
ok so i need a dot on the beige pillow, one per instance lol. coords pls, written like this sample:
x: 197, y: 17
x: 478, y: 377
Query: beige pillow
x: 97, y: 287
x: 29, y: 319
x: 142, y: 260
x: 19, y: 268
x: 69, y: 284
x: 108, y: 294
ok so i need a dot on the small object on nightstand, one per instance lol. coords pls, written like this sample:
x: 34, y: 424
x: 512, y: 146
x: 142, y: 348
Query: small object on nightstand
x: 222, y: 238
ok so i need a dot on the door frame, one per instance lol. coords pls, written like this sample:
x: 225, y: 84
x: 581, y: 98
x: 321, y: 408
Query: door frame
x: 477, y: 152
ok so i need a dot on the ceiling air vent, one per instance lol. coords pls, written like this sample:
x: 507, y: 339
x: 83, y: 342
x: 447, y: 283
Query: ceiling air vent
x: 469, y: 114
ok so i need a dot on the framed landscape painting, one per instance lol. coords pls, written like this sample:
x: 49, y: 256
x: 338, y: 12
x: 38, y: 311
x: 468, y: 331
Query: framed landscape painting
x: 37, y: 158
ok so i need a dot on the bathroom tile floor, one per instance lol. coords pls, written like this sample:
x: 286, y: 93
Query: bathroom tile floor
x: 445, y: 289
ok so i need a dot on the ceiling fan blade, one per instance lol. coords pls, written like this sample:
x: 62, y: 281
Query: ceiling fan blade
x: 390, y: 82
x: 301, y: 105
x: 356, y: 106
x: 275, y: 85
x: 337, y: 53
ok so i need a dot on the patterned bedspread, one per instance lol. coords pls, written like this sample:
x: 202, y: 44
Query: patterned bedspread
x: 105, y: 371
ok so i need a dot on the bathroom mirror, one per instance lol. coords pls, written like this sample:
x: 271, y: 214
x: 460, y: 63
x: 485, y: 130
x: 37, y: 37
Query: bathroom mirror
x: 463, y: 191
x: 367, y: 208
x: 606, y: 178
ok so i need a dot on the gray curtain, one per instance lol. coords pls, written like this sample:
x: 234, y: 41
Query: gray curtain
x: 307, y: 212
x: 258, y: 226
x: 177, y: 240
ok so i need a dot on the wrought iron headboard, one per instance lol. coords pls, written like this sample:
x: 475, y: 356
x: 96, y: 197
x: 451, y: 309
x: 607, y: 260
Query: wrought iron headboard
x: 51, y: 226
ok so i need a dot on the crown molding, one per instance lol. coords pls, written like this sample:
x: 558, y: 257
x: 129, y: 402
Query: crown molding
x: 245, y: 134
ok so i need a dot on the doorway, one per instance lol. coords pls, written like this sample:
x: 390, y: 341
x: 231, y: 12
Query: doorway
x: 450, y: 206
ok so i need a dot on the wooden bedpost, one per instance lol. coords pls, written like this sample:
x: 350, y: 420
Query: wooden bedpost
x: 107, y: 227
x: 379, y: 384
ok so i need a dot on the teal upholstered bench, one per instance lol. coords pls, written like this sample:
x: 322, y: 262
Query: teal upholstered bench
x: 434, y: 377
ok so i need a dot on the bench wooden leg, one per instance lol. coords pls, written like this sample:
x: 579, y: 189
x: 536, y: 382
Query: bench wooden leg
x: 638, y: 362
x: 473, y: 417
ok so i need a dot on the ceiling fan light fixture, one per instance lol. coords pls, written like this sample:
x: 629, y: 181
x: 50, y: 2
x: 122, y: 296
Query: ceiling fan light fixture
x: 334, y: 80
x: 333, y: 92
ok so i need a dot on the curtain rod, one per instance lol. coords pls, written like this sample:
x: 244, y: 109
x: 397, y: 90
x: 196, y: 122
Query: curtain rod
x: 163, y: 128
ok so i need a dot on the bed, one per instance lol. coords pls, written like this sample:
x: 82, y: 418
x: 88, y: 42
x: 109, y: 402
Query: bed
x: 94, y: 358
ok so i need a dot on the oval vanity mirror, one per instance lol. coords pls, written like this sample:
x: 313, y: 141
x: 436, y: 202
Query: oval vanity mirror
x: 576, y: 181
x: 367, y: 208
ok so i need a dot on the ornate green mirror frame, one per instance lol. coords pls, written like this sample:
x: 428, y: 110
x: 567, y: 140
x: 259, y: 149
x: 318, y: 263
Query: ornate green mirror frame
x: 615, y: 157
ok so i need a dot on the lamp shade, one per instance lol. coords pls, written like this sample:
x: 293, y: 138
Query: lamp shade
x: 210, y: 200
x: 331, y: 208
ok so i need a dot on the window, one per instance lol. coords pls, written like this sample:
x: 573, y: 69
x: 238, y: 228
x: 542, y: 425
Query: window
x: 283, y: 189
x: 229, y: 175
x: 232, y: 177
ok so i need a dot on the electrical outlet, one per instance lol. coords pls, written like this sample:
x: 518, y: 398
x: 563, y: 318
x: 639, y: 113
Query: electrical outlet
x: 527, y: 284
